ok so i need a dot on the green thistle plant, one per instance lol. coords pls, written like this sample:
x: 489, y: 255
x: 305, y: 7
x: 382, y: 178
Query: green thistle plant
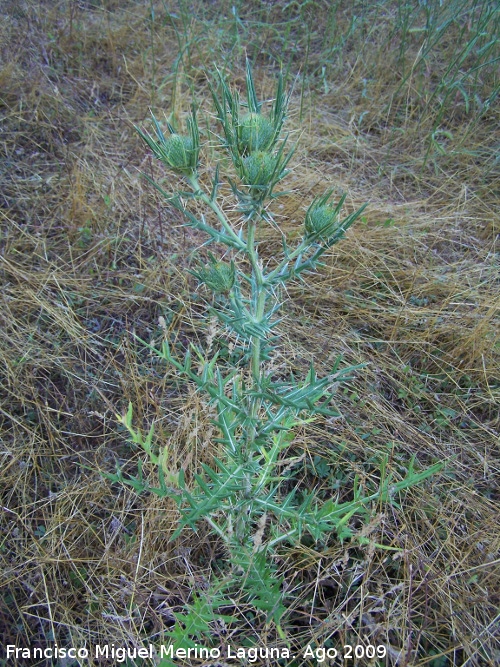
x: 248, y: 496
x: 217, y: 276
x: 255, y: 133
x: 252, y: 131
x: 177, y: 151
x: 322, y: 220
x: 259, y: 168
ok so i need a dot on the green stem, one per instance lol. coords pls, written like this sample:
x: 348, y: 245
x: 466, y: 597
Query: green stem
x: 258, y: 301
x: 193, y: 181
x: 302, y: 247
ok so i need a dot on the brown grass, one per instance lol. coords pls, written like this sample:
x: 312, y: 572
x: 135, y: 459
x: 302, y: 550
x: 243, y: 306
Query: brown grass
x: 89, y: 255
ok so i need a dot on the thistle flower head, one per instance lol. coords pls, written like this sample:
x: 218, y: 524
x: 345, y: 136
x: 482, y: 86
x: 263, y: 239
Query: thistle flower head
x: 258, y: 168
x: 320, y: 221
x: 217, y: 276
x: 179, y: 153
x: 255, y: 133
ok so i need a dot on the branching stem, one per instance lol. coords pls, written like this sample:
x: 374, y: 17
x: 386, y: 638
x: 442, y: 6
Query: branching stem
x: 195, y: 184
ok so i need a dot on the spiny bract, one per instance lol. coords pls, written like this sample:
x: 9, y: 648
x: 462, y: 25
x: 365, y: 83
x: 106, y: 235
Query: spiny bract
x: 179, y: 152
x: 258, y: 168
x: 219, y: 276
x: 255, y: 133
x: 320, y: 221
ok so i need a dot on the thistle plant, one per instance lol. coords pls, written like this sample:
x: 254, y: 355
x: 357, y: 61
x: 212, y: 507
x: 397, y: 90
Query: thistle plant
x: 249, y: 496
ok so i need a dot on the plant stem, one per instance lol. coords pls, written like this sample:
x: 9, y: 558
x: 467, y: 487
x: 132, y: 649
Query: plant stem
x: 195, y: 184
x: 258, y: 301
x: 303, y: 246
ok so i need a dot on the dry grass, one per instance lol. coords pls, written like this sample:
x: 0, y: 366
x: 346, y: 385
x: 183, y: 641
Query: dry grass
x: 89, y: 255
